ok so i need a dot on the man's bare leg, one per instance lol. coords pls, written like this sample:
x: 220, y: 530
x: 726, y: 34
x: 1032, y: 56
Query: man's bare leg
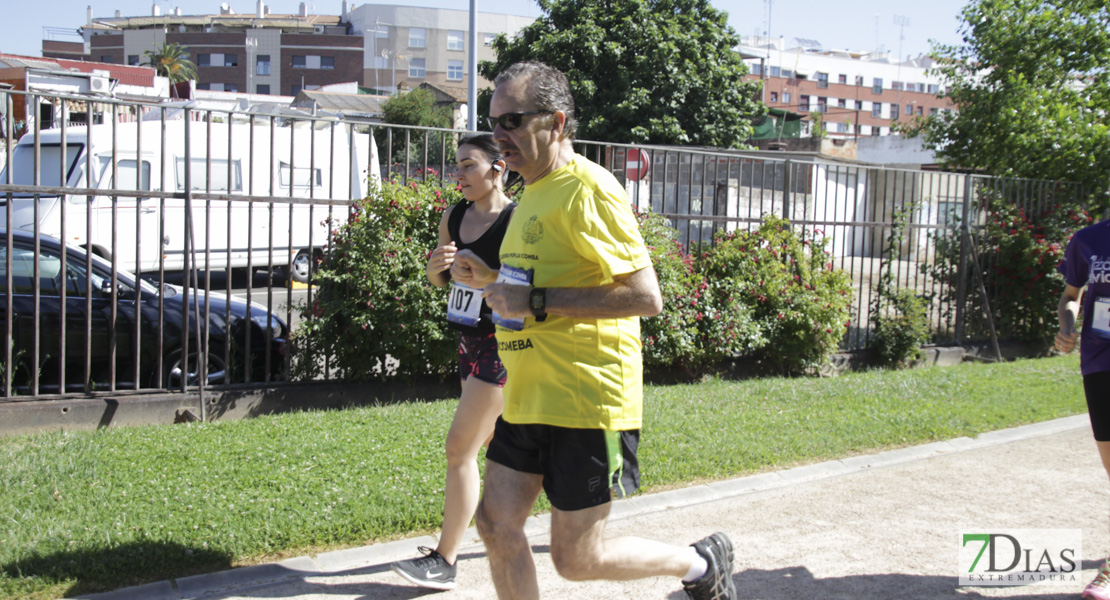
x: 507, y: 500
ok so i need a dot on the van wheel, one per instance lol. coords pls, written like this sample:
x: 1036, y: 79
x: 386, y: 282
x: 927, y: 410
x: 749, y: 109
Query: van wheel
x: 173, y: 371
x: 302, y: 262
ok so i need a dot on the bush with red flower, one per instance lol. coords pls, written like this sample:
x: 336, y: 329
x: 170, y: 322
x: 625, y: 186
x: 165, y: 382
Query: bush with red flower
x: 373, y: 314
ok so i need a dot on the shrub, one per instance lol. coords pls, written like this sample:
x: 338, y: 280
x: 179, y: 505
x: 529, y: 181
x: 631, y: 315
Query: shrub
x: 375, y: 316
x: 1024, y: 249
x: 1019, y: 251
x: 900, y: 316
x: 901, y: 327
x: 799, y: 302
x: 702, y: 323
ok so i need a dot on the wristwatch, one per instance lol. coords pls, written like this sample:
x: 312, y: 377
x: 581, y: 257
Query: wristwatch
x: 537, y: 301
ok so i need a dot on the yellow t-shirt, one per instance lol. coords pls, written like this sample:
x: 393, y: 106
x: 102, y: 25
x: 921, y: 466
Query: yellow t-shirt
x: 574, y: 228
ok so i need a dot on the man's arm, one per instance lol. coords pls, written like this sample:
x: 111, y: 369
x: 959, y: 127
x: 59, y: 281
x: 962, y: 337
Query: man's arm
x: 633, y: 294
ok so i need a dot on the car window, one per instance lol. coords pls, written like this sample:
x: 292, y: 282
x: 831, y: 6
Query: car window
x: 50, y: 281
x: 23, y: 272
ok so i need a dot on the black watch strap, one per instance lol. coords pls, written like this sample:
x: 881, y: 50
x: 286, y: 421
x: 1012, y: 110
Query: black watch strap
x: 537, y: 301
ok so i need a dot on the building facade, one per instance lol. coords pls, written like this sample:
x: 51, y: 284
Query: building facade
x: 855, y: 93
x: 409, y: 46
x: 378, y: 46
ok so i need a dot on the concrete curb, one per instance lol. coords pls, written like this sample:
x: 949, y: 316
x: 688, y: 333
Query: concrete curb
x: 379, y: 556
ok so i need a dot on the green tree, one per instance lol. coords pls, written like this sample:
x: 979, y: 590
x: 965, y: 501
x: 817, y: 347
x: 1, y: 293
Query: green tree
x: 418, y: 108
x: 1032, y: 91
x: 172, y: 61
x: 642, y: 71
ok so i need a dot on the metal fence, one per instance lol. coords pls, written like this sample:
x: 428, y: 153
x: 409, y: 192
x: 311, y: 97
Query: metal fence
x: 179, y: 207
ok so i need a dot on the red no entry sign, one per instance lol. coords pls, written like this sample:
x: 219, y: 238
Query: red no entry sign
x: 636, y: 164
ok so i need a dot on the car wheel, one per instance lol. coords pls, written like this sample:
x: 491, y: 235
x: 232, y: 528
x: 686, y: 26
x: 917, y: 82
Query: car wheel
x: 174, y: 371
x: 302, y: 262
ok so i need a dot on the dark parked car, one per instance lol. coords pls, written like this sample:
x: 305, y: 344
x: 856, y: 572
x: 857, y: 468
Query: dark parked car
x: 245, y: 341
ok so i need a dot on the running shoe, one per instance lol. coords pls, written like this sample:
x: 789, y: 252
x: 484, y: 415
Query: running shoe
x: 717, y: 582
x: 430, y: 570
x: 1099, y: 589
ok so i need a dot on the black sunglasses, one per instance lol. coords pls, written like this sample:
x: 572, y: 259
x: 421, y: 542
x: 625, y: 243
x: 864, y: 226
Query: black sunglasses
x: 510, y: 121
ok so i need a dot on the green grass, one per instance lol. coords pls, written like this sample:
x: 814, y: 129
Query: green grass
x: 92, y: 511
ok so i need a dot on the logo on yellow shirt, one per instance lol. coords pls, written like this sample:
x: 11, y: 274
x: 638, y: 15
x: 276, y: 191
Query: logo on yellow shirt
x: 533, y: 231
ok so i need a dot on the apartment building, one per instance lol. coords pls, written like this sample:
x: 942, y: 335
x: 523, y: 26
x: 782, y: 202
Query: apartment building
x: 409, y: 46
x: 378, y: 46
x: 856, y: 93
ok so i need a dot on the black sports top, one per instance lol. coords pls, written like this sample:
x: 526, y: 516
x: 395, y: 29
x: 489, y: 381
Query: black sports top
x: 487, y: 247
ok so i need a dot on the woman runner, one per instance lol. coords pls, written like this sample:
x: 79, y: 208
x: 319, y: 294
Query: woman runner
x: 472, y: 228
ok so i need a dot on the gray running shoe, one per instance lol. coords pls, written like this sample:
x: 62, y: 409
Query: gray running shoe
x: 430, y: 570
x: 717, y: 582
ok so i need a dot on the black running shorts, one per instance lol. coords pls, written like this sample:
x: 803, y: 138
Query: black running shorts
x: 1096, y: 386
x: 581, y: 468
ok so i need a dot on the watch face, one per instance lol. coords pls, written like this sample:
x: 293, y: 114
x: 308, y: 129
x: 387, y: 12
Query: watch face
x: 538, y: 299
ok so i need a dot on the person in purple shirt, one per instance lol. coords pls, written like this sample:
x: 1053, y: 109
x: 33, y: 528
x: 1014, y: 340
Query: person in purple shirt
x: 1087, y: 264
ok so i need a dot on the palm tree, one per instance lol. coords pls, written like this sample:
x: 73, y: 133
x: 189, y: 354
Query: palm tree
x: 172, y: 61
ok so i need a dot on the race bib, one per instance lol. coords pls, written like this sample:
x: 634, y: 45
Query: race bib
x: 512, y: 276
x: 1100, y: 317
x: 464, y: 305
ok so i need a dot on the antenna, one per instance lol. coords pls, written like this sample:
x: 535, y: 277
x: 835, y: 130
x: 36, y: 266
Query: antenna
x: 902, y: 22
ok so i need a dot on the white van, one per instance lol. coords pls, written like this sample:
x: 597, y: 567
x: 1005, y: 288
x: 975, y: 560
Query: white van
x: 330, y: 162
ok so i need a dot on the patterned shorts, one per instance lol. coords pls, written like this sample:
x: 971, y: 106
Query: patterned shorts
x: 478, y: 358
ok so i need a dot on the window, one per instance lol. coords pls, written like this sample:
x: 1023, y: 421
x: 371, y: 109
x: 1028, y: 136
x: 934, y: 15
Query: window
x: 327, y: 62
x: 105, y: 59
x: 303, y: 177
x: 894, y: 111
x: 416, y: 67
x: 920, y: 110
x: 788, y: 74
x: 125, y: 169
x: 842, y: 79
x: 299, y: 62
x: 897, y: 86
x: 132, y: 59
x: 776, y: 71
x: 842, y: 103
x: 294, y: 90
x: 859, y: 104
x: 455, y: 40
x: 822, y: 104
x: 803, y: 102
x: 489, y: 39
x: 934, y: 88
x: 219, y: 167
x: 774, y: 96
x: 842, y: 128
x: 909, y: 109
x: 786, y: 97
x: 204, y: 60
x: 877, y: 85
x: 755, y: 68
x: 262, y: 64
x: 231, y: 60
x: 231, y: 87
x: 822, y: 80
x: 876, y: 109
x: 204, y: 86
x: 262, y: 88
x: 454, y: 70
x: 416, y: 38
x: 859, y: 80
x: 933, y: 111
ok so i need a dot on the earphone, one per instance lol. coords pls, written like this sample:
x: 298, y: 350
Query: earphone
x: 497, y: 167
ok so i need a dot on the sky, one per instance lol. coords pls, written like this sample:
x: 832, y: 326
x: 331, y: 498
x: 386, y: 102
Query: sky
x: 903, y: 28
